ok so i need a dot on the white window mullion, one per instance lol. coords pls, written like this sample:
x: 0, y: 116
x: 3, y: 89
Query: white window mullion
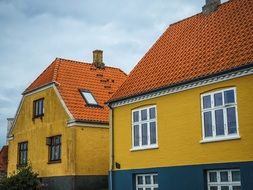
x: 225, y: 121
x: 213, y: 123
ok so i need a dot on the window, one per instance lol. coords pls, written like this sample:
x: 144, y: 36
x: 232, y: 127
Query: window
x: 224, y: 180
x: 38, y: 108
x: 54, y: 145
x: 144, y: 129
x: 147, y: 182
x: 219, y: 115
x: 89, y: 98
x: 22, y: 153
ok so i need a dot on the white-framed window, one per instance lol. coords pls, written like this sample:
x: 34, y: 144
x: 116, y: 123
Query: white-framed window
x: 147, y: 182
x: 219, y: 115
x: 224, y: 179
x: 144, y: 128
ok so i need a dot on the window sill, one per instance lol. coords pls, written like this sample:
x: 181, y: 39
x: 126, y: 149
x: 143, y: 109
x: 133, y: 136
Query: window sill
x: 54, y: 162
x: 227, y: 138
x: 144, y: 148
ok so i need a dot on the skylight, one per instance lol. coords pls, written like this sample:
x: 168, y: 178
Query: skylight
x: 89, y: 98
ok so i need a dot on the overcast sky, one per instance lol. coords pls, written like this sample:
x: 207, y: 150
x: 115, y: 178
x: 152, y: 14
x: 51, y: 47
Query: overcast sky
x: 34, y: 32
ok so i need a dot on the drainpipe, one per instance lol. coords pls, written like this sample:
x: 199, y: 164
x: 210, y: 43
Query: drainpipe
x: 112, y: 147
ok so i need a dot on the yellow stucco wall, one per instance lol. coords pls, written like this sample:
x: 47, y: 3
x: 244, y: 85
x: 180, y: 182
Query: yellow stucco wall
x: 180, y: 130
x: 74, y: 159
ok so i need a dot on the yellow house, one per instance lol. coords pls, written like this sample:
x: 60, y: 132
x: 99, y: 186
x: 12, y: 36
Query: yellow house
x: 61, y: 126
x: 182, y: 120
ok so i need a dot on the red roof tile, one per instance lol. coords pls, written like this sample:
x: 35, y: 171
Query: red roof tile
x: 199, y: 46
x: 4, y: 158
x: 71, y: 76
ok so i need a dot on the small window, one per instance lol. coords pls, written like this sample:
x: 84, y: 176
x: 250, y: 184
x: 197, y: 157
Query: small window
x: 54, y: 146
x: 147, y: 182
x: 89, y: 98
x: 224, y: 179
x: 219, y: 115
x: 38, y: 108
x: 22, y: 153
x: 144, y: 128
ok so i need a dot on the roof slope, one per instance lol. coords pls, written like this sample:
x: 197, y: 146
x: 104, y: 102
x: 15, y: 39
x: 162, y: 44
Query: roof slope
x: 3, y: 158
x: 199, y: 46
x: 72, y: 76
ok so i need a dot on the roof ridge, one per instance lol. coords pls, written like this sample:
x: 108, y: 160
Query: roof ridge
x: 197, y: 14
x: 56, y: 68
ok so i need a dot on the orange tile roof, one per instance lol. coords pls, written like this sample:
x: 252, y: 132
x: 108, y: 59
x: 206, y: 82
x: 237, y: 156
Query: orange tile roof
x: 196, y: 47
x: 3, y: 158
x: 70, y: 76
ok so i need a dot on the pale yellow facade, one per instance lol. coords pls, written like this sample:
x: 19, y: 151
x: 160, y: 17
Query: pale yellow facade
x: 84, y: 150
x: 179, y: 128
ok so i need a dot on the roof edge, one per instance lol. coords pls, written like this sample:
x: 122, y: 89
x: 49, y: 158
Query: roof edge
x: 245, y: 66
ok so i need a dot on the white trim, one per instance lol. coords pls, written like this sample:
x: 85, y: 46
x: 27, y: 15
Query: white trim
x: 144, y: 148
x: 49, y: 85
x: 85, y: 124
x: 180, y: 88
x: 62, y: 102
x: 226, y: 138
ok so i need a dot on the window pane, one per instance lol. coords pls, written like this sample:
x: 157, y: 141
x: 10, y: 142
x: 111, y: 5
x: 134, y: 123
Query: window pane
x: 236, y: 187
x: 224, y: 187
x: 139, y: 180
x: 218, y: 99
x: 231, y: 117
x: 224, y: 176
x: 89, y: 98
x: 136, y: 135
x: 206, y: 101
x: 212, y: 176
x: 144, y: 115
x: 144, y: 134
x: 136, y: 116
x: 152, y: 113
x: 155, y: 179
x: 208, y: 124
x: 236, y: 176
x: 229, y: 96
x: 147, y: 179
x: 140, y: 188
x: 148, y: 188
x: 153, y: 133
x: 213, y: 188
x: 219, y: 122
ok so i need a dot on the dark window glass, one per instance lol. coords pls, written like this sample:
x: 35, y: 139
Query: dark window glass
x: 208, y: 124
x: 236, y: 176
x: 207, y: 101
x: 152, y: 113
x: 136, y: 135
x: 38, y: 108
x: 219, y: 121
x: 153, y: 133
x: 224, y: 176
x: 22, y: 153
x: 231, y: 118
x: 144, y: 115
x: 136, y: 116
x: 54, y: 148
x: 229, y: 96
x: 218, y: 99
x: 144, y: 134
x: 213, y: 176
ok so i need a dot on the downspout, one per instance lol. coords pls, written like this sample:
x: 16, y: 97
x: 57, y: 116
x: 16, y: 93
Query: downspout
x: 112, y: 147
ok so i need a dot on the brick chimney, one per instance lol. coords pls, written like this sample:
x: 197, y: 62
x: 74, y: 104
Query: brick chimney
x: 98, y: 59
x: 210, y: 6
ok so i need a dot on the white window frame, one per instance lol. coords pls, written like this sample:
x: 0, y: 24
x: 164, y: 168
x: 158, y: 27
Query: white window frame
x: 144, y: 186
x: 89, y: 98
x: 226, y: 136
x: 148, y: 146
x: 219, y: 183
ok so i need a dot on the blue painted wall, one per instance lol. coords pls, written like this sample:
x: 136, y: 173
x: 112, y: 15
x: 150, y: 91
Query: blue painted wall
x: 181, y: 177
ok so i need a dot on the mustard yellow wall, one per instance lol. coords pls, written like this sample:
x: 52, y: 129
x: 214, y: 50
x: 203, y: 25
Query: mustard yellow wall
x: 83, y: 148
x: 92, y: 150
x: 180, y: 130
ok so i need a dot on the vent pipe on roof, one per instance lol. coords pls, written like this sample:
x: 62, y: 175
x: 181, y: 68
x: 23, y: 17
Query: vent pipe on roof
x: 210, y: 6
x: 98, y: 59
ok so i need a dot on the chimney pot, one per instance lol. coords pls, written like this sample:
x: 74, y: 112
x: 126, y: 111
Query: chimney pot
x: 210, y: 6
x: 98, y: 59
